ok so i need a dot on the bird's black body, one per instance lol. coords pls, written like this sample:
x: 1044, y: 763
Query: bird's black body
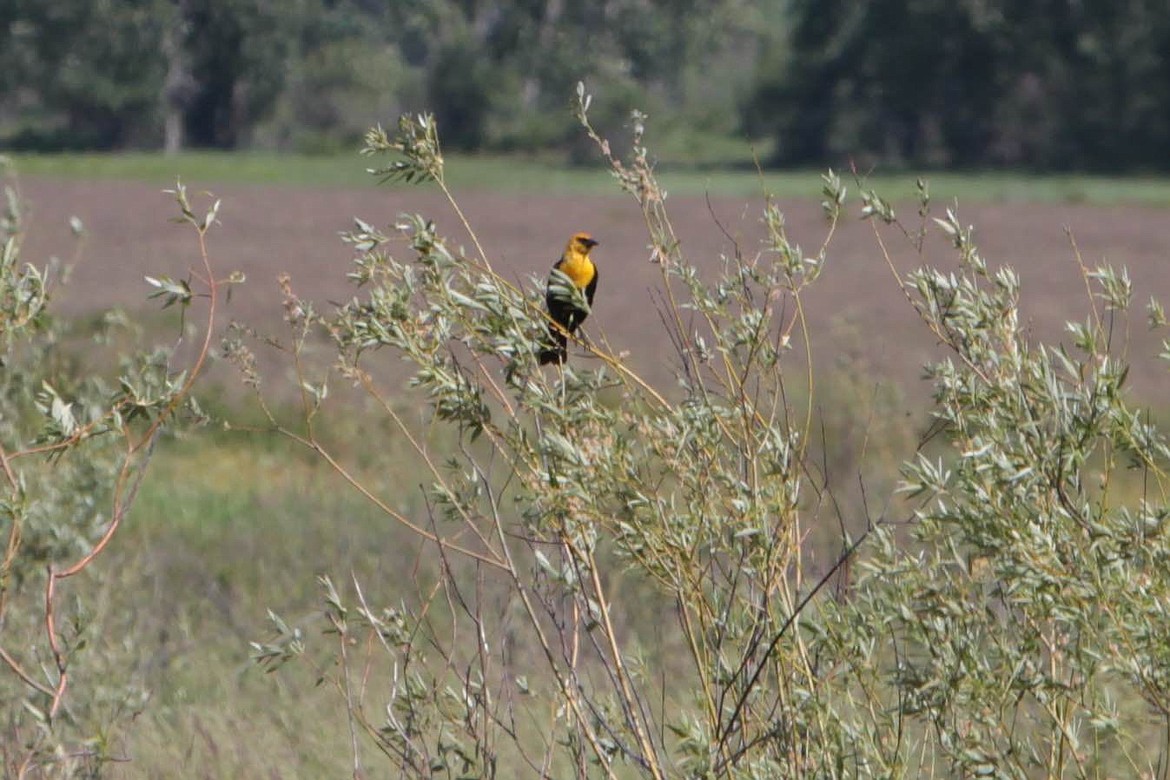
x: 575, y: 264
x: 569, y: 317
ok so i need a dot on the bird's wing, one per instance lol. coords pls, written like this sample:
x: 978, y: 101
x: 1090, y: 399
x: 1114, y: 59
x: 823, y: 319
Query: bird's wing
x: 592, y: 286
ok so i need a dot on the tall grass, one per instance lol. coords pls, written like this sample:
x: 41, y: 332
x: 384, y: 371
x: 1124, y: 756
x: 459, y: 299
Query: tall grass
x: 523, y: 174
x: 226, y: 528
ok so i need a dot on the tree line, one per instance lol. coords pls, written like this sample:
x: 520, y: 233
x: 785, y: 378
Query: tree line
x: 1042, y: 84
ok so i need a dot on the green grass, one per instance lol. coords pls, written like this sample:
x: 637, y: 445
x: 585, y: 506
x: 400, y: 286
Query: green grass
x: 518, y: 174
x: 227, y: 526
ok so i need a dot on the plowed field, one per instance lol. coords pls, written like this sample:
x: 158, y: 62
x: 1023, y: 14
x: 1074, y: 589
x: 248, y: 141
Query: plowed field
x: 855, y: 308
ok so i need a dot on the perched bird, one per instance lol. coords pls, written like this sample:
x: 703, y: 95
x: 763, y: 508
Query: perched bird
x: 576, y: 265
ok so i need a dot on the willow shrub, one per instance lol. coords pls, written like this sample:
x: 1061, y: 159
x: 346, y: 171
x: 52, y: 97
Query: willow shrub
x: 79, y: 419
x: 619, y: 585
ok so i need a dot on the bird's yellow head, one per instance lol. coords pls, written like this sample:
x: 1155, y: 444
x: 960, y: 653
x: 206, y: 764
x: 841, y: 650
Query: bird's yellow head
x: 580, y: 244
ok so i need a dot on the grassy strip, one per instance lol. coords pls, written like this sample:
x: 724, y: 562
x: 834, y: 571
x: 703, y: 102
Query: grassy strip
x: 518, y: 174
x: 226, y: 527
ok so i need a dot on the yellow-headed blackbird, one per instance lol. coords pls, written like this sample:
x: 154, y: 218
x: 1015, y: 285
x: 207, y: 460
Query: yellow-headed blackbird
x: 576, y: 265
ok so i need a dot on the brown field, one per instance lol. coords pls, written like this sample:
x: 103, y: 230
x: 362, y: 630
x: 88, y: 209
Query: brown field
x: 855, y: 309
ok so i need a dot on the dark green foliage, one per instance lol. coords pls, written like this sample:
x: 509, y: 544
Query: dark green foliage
x: 238, y: 53
x: 313, y: 73
x: 459, y: 89
x: 1041, y: 84
x: 82, y: 74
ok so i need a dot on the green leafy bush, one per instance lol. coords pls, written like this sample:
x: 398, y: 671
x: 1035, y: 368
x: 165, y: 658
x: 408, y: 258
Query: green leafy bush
x: 74, y: 446
x: 616, y: 579
x: 622, y: 583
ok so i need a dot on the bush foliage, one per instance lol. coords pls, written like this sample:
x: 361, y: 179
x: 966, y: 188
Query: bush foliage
x: 624, y: 587
x: 75, y: 443
x: 616, y: 579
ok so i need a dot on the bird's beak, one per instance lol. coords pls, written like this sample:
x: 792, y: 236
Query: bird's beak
x: 589, y: 243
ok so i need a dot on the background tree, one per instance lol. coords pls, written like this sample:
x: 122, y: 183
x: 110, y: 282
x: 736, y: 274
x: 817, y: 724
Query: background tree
x: 314, y: 73
x: 239, y: 52
x: 1044, y: 84
x: 84, y: 74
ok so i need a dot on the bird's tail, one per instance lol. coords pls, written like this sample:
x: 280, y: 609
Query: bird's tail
x: 556, y: 350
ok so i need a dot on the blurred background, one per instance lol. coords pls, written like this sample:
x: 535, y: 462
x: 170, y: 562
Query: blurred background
x: 1045, y: 85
